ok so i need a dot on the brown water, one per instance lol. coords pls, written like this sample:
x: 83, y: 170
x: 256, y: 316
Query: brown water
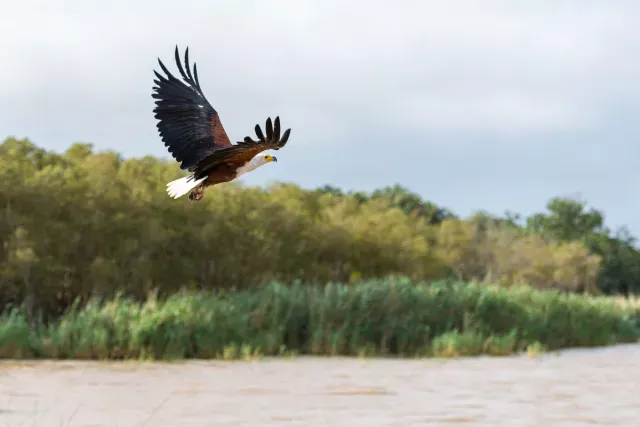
x: 574, y: 388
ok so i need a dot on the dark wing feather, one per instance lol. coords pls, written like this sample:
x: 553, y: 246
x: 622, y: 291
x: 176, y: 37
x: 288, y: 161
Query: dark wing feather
x: 189, y: 126
x: 237, y: 155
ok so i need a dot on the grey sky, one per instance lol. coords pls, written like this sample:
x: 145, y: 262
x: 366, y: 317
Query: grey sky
x: 490, y: 105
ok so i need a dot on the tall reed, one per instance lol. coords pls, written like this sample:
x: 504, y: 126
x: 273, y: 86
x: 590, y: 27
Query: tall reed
x: 382, y: 317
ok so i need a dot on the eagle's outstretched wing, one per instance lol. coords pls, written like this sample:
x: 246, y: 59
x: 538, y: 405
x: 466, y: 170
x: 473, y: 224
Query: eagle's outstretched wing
x: 189, y: 126
x: 240, y: 153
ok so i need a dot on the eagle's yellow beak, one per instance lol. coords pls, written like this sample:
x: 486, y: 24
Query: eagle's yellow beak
x: 272, y: 158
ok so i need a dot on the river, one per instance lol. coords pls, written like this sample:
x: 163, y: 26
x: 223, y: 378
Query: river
x: 584, y: 387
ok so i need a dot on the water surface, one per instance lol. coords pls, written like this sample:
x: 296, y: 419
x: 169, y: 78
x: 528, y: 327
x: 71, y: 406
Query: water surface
x: 588, y: 387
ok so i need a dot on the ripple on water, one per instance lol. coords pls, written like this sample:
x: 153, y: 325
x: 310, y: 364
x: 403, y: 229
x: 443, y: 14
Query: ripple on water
x: 578, y: 387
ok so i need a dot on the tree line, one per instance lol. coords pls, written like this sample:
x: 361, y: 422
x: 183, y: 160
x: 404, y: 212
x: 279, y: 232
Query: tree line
x: 83, y: 224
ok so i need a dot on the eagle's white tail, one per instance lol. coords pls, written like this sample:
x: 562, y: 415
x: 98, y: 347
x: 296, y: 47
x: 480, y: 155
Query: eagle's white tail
x: 182, y: 186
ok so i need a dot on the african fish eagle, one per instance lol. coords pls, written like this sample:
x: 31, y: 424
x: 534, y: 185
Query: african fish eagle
x: 191, y: 129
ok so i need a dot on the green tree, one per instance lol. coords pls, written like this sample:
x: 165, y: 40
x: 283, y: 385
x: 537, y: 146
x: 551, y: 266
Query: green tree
x: 568, y: 219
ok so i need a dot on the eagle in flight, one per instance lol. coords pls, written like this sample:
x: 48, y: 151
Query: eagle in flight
x: 191, y: 129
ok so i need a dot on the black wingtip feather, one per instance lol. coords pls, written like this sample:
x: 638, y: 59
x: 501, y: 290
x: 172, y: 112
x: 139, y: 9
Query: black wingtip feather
x: 195, y: 76
x: 276, y: 129
x: 186, y: 63
x: 259, y: 133
x: 285, y: 137
x: 177, y: 58
x: 268, y: 127
x: 166, y: 71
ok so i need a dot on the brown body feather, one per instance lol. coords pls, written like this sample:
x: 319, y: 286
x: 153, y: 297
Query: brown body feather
x: 192, y: 131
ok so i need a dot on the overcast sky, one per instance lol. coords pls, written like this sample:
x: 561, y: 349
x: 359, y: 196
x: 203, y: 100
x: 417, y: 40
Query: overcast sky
x: 493, y: 105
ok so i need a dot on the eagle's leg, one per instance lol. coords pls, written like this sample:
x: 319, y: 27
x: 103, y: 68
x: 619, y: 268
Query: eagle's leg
x: 197, y: 193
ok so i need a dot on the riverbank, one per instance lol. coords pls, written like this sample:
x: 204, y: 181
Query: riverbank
x: 379, y: 318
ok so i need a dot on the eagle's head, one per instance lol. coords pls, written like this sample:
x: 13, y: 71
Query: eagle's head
x: 265, y: 158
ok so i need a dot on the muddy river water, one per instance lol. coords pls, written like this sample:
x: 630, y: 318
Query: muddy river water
x: 586, y: 387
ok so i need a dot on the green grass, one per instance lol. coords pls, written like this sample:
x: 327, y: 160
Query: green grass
x: 378, y: 318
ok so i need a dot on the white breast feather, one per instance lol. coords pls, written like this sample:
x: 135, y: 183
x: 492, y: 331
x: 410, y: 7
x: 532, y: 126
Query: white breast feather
x: 247, y: 167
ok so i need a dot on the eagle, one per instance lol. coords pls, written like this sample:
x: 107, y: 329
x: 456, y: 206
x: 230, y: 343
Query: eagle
x: 193, y: 133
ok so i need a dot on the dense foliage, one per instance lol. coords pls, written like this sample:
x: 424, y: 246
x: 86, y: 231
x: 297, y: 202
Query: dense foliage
x: 87, y: 224
x: 390, y: 317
